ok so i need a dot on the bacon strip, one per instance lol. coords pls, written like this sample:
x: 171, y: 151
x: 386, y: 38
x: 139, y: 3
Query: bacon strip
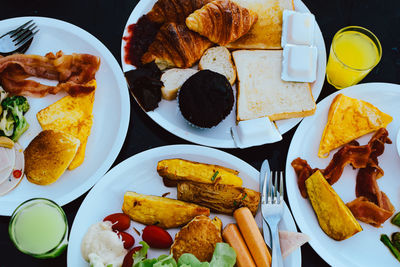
x: 371, y: 205
x: 303, y: 171
x: 72, y: 72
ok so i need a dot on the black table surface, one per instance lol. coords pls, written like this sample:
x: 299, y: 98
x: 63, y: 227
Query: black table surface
x: 106, y: 19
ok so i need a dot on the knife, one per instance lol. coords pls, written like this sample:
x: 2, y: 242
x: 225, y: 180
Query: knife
x: 264, y: 172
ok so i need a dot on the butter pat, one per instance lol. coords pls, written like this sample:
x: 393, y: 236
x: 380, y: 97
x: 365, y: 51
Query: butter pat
x: 297, y: 28
x: 299, y: 63
x: 255, y: 132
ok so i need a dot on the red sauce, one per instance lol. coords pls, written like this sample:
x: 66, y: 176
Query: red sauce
x: 140, y: 36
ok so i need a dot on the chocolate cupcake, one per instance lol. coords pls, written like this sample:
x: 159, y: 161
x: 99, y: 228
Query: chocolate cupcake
x: 206, y: 98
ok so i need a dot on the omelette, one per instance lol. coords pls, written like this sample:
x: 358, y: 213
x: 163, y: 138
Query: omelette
x: 72, y: 115
x: 349, y: 119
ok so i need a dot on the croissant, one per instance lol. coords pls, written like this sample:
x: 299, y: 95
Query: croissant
x: 176, y: 46
x: 221, y: 21
x: 174, y: 10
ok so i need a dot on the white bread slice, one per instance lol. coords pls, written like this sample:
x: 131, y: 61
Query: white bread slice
x: 262, y: 92
x: 219, y: 59
x: 173, y: 80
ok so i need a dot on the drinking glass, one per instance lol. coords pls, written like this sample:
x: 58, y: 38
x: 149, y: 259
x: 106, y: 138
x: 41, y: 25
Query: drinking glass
x: 354, y: 52
x: 39, y: 227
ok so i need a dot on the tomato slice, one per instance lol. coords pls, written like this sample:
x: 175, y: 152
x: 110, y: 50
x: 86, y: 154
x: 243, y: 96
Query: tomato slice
x: 17, y: 174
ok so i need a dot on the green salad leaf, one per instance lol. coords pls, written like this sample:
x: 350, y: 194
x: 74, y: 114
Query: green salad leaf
x: 224, y: 256
x: 190, y: 260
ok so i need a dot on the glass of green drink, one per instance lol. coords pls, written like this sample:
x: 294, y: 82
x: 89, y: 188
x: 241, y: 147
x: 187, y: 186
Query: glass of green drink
x: 39, y: 227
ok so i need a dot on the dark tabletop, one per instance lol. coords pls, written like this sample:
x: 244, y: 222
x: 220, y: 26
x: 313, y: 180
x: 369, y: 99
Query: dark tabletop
x: 106, y: 19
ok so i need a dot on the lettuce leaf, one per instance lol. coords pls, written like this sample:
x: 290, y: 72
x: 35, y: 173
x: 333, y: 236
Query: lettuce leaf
x: 190, y: 260
x: 141, y: 254
x: 224, y: 256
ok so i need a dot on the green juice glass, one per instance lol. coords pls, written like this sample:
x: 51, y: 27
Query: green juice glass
x: 39, y: 227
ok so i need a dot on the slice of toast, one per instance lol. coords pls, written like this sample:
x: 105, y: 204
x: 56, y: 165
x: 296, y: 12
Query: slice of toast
x: 219, y: 59
x: 172, y: 81
x: 262, y: 92
x: 266, y: 32
x: 349, y: 119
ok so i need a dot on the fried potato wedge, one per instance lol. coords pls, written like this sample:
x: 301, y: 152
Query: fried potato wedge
x: 185, y: 170
x: 219, y: 198
x: 334, y: 217
x: 162, y: 211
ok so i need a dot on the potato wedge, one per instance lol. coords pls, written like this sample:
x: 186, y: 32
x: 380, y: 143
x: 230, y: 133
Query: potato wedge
x: 162, y: 211
x: 185, y: 170
x: 334, y: 217
x: 219, y: 198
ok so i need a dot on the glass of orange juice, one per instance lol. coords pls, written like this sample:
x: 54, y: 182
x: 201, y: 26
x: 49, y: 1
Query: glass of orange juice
x: 355, y: 51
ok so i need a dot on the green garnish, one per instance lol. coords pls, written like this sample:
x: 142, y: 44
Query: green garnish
x: 234, y: 203
x: 214, y: 176
x: 385, y: 240
x: 396, y: 219
x: 396, y: 240
x: 245, y: 195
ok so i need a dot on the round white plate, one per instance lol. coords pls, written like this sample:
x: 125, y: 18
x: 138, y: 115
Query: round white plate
x: 168, y: 116
x: 364, y: 248
x: 111, y: 113
x: 139, y: 174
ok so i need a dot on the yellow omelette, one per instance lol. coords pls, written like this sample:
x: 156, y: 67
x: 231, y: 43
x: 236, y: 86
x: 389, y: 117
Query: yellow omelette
x: 72, y: 115
x: 349, y: 119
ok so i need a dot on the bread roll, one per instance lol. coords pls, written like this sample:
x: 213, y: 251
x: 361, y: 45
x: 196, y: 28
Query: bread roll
x: 48, y: 156
x: 221, y: 21
x: 176, y: 46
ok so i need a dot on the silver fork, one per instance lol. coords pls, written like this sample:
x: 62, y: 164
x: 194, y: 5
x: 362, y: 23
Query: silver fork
x: 15, y: 40
x: 272, y: 211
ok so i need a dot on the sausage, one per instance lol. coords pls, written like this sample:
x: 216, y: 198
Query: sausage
x: 232, y: 235
x: 251, y: 234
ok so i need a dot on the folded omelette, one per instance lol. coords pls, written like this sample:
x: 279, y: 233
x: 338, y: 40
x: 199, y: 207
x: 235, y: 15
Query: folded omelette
x: 72, y: 115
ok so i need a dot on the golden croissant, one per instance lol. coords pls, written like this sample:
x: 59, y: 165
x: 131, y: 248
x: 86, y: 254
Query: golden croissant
x: 221, y: 21
x: 174, y: 10
x: 176, y: 46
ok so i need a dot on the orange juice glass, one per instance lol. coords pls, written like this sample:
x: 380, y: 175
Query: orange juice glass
x: 355, y: 51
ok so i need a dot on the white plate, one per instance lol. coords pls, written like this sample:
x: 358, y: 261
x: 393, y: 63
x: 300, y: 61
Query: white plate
x: 168, y: 116
x: 139, y: 174
x: 364, y: 248
x: 111, y: 113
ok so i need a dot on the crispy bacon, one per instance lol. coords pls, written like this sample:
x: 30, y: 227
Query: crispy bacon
x: 303, y: 171
x: 371, y: 205
x: 72, y: 72
x: 357, y: 156
x: 368, y: 212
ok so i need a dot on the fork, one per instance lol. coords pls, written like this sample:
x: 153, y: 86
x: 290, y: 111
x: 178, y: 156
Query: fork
x: 272, y: 211
x: 16, y: 40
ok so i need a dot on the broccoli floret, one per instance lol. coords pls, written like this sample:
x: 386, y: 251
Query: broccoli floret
x: 6, y: 124
x: 17, y: 105
x: 14, y: 102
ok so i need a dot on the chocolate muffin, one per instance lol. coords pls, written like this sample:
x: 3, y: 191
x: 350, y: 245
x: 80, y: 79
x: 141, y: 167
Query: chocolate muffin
x: 206, y: 98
